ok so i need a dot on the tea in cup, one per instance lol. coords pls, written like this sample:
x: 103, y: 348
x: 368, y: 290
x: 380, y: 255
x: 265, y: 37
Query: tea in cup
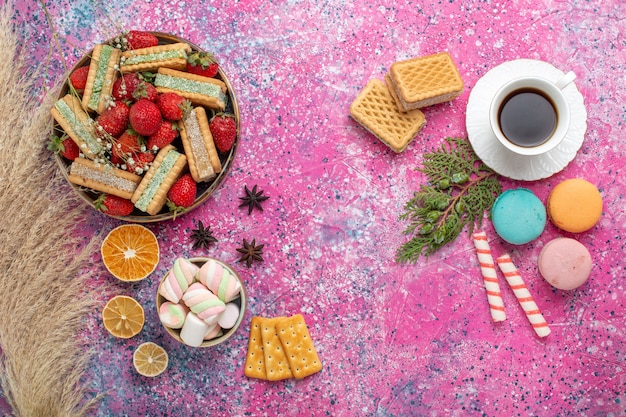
x: 530, y: 115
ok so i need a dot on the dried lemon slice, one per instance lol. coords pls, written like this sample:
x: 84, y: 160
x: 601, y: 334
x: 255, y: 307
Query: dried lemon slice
x: 130, y: 252
x: 123, y: 316
x: 150, y: 359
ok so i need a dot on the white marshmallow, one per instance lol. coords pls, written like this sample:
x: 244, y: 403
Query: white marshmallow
x: 229, y: 316
x: 213, y: 332
x: 193, y: 330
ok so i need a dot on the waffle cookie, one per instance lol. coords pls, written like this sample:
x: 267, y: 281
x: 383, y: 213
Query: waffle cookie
x: 102, y: 74
x: 375, y: 109
x: 103, y: 178
x: 150, y: 59
x: 424, y: 81
x: 151, y: 193
x: 204, y: 163
x: 201, y: 91
x: 70, y: 115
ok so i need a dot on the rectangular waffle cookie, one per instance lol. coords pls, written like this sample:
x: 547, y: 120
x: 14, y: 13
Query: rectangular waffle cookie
x: 102, y: 177
x: 79, y: 126
x: 204, y: 162
x: 102, y: 75
x: 201, y: 91
x: 424, y: 81
x: 151, y: 193
x: 152, y: 58
x: 375, y: 109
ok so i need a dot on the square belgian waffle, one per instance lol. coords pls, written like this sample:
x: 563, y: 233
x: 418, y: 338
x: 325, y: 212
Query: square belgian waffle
x: 376, y: 110
x: 424, y: 81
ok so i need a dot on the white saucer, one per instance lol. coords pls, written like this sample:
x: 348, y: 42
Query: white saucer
x: 493, y: 153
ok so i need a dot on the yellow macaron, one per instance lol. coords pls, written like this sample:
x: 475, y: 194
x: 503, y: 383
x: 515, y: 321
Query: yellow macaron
x: 574, y: 205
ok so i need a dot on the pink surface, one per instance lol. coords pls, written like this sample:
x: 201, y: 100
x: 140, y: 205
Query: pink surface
x: 395, y: 340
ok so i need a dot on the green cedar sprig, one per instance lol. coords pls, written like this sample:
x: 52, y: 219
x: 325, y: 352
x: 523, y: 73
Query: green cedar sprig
x: 459, y: 189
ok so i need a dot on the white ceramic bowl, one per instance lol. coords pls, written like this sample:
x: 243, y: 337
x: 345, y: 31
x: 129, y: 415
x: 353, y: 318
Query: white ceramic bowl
x: 241, y: 302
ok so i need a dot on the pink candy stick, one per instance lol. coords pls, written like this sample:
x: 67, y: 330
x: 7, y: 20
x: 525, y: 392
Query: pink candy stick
x: 490, y: 279
x: 523, y: 295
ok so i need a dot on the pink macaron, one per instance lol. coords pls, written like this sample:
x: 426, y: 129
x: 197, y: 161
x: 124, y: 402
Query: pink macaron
x: 565, y: 263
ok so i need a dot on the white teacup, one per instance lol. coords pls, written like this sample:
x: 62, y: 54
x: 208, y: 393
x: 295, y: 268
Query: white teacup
x: 530, y: 115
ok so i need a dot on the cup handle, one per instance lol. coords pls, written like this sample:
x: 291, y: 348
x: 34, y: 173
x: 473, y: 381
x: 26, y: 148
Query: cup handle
x: 566, y: 80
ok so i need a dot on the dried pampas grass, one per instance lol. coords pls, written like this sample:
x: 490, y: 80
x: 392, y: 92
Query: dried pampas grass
x: 44, y: 296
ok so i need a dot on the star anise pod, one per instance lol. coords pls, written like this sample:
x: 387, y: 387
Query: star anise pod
x: 250, y: 252
x: 252, y: 199
x: 202, y: 237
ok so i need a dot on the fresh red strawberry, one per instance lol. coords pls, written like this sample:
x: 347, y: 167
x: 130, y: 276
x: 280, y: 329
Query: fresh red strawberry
x: 224, y: 130
x: 145, y: 90
x: 145, y: 117
x: 166, y: 134
x: 127, y: 144
x: 114, y: 119
x: 124, y: 87
x: 64, y: 146
x: 139, y: 162
x: 139, y: 39
x: 78, y: 78
x: 114, y: 205
x: 116, y: 159
x: 202, y: 63
x: 172, y: 106
x: 182, y: 194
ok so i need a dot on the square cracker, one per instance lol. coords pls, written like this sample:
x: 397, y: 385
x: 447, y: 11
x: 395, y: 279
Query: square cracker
x: 375, y: 109
x: 276, y: 364
x: 301, y: 354
x: 255, y: 362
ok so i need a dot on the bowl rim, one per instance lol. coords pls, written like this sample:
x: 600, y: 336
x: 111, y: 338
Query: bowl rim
x: 243, y: 297
x: 83, y: 192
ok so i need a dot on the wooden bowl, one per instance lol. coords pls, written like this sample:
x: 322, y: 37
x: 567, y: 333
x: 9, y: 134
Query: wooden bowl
x: 205, y: 189
x: 241, y: 302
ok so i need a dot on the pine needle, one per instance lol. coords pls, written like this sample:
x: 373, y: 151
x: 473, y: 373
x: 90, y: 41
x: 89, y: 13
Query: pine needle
x: 459, y: 189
